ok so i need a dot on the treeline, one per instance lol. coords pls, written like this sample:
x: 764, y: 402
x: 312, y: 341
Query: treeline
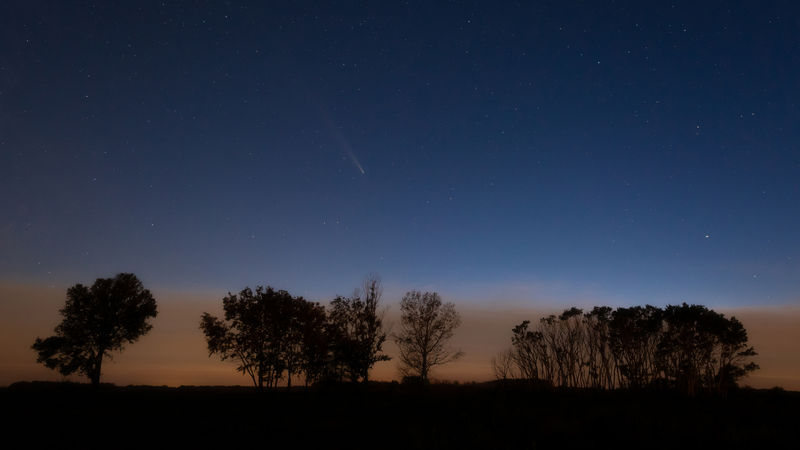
x: 687, y: 348
x: 274, y: 336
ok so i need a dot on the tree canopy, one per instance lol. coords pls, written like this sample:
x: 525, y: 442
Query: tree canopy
x: 356, y: 332
x: 270, y: 334
x: 252, y: 333
x: 97, y: 321
x: 688, y: 348
x: 274, y: 336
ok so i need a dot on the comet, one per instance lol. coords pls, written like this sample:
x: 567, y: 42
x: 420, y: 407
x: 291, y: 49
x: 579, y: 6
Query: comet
x: 345, y: 146
x: 335, y: 131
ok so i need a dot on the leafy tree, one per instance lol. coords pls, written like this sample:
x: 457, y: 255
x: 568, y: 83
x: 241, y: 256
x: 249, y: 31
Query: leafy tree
x: 530, y: 354
x: 356, y: 332
x: 253, y: 333
x: 304, y: 347
x: 314, y: 351
x: 426, y: 326
x: 730, y: 361
x: 634, y: 335
x: 700, y: 348
x: 271, y: 334
x: 97, y: 321
x: 687, y: 348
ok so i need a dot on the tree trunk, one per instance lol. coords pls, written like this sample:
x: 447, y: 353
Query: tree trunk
x: 95, y: 373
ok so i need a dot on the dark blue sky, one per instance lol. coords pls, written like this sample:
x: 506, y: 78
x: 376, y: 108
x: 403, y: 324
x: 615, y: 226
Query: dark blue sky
x: 614, y: 152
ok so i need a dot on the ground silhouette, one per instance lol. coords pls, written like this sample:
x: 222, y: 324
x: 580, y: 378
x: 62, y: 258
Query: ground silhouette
x: 387, y: 416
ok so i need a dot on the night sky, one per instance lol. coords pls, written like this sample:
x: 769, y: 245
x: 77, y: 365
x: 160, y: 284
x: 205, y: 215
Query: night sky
x: 501, y: 153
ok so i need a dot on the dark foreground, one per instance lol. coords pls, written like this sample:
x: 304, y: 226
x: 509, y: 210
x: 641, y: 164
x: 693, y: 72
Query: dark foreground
x: 50, y: 415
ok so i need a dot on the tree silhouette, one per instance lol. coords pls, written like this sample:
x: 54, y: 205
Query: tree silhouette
x: 700, y: 348
x: 314, y: 351
x: 503, y: 365
x: 97, y: 321
x: 356, y: 333
x: 303, y: 327
x: 688, y: 348
x: 599, y: 361
x: 426, y: 326
x: 253, y: 333
x: 634, y: 336
x: 271, y: 334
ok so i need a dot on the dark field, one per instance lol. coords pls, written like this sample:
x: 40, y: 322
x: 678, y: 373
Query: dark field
x: 52, y: 415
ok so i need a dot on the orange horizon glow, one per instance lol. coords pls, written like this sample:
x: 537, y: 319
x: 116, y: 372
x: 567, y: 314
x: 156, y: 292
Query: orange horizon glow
x: 174, y: 352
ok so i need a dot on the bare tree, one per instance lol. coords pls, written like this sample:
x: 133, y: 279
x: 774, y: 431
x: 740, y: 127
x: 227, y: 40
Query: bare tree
x: 599, y: 360
x: 426, y: 326
x: 503, y: 365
